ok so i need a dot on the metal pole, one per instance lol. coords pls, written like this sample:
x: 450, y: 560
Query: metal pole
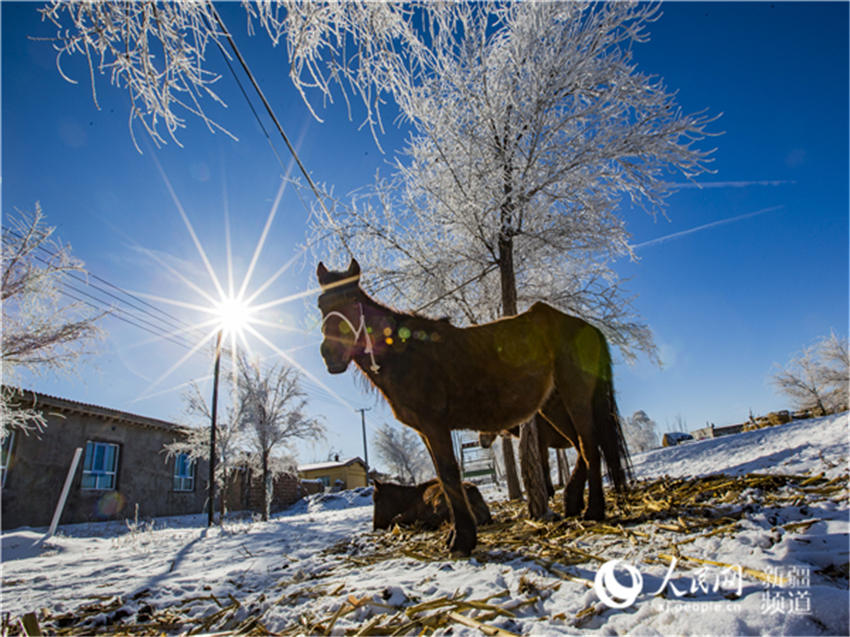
x: 212, y: 430
x: 365, y: 448
x: 64, y: 495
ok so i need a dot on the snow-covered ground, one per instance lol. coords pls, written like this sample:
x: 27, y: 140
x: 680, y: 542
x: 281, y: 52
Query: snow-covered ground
x: 301, y: 571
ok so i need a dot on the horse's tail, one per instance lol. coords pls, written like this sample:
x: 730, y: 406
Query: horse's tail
x: 611, y: 441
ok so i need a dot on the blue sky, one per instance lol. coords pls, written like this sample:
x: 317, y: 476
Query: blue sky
x: 726, y: 301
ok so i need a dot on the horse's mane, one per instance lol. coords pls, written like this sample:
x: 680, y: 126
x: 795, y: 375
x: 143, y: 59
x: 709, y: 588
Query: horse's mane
x: 403, y: 313
x: 363, y: 380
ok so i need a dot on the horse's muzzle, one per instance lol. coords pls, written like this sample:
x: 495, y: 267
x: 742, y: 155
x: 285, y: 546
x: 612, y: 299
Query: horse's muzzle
x: 336, y: 368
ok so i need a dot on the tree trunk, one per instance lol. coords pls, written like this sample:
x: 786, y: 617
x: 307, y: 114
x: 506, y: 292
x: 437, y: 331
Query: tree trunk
x: 530, y: 461
x: 266, y: 487
x: 532, y: 471
x: 508, y: 280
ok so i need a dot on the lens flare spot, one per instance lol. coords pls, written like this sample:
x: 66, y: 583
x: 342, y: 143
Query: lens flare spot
x: 388, y: 331
x: 388, y: 340
x: 404, y: 333
x: 110, y: 504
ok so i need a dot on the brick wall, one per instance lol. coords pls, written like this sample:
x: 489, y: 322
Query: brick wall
x: 245, y: 493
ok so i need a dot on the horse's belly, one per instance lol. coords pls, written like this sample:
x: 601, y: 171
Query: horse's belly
x: 487, y: 406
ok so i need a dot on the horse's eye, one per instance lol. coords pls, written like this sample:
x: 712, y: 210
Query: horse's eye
x: 343, y: 328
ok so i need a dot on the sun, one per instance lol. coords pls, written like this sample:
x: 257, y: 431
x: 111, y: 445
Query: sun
x: 233, y: 316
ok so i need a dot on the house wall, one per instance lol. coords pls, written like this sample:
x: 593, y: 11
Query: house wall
x: 352, y: 476
x: 245, y: 491
x: 39, y: 465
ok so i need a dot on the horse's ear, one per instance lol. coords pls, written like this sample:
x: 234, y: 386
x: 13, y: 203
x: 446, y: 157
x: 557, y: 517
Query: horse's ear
x: 353, y: 268
x: 321, y: 273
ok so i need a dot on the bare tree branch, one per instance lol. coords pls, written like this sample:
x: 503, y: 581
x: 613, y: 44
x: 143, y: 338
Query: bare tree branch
x: 273, y: 415
x: 403, y: 453
x: 816, y: 379
x: 42, y: 329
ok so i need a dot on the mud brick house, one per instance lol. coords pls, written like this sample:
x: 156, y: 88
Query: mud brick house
x: 123, y: 464
x: 351, y: 473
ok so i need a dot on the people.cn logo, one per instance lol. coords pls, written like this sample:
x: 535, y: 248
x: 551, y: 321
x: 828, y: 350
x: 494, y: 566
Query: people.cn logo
x: 610, y: 591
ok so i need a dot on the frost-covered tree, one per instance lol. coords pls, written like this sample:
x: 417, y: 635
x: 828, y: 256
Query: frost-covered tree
x: 531, y: 128
x: 43, y: 329
x: 273, y: 416
x: 640, y: 432
x: 229, y: 438
x: 817, y: 378
x: 403, y: 453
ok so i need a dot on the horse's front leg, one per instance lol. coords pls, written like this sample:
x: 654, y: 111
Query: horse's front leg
x: 463, y: 537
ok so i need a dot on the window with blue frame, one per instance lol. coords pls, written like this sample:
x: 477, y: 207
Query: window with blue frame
x: 184, y: 473
x: 100, y: 466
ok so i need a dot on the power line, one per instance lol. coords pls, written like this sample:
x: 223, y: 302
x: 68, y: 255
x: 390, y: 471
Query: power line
x: 156, y: 326
x: 286, y: 140
x: 149, y: 322
x: 85, y: 280
x: 267, y: 106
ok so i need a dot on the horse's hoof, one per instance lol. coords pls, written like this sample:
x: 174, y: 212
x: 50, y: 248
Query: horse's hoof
x: 573, y: 509
x: 462, y: 543
x: 594, y: 515
x: 462, y: 549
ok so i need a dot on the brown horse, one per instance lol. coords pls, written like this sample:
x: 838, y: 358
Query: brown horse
x: 438, y: 377
x: 549, y: 436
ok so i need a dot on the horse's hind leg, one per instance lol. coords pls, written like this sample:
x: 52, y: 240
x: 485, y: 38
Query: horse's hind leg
x: 574, y: 491
x: 544, y: 459
x: 463, y: 537
x: 579, y: 405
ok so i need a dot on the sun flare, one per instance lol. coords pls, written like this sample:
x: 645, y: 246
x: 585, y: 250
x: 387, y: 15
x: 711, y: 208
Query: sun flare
x: 233, y: 315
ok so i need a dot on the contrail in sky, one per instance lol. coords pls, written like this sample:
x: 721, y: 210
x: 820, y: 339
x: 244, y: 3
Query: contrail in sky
x: 731, y: 184
x: 705, y: 226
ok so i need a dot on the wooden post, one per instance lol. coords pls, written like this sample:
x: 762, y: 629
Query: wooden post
x: 64, y: 495
x: 563, y: 467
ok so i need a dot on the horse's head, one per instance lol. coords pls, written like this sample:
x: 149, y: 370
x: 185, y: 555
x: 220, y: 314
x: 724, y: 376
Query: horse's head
x: 341, y: 316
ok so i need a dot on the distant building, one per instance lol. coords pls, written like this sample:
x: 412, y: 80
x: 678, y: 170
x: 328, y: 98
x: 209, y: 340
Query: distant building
x: 123, y: 465
x: 350, y: 473
x: 673, y: 438
x: 715, y: 432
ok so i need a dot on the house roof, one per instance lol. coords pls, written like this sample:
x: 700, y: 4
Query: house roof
x: 318, y: 466
x: 38, y: 399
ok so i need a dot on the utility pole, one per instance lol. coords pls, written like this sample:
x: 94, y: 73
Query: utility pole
x: 211, y: 495
x: 363, y: 411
